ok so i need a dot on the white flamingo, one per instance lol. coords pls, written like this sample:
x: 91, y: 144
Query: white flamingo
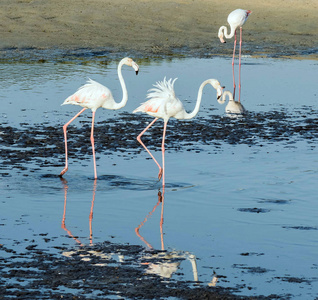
x: 93, y: 95
x: 164, y: 104
x: 233, y: 107
x: 236, y: 19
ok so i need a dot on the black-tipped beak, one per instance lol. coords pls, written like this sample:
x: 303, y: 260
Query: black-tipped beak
x: 223, y: 87
x: 136, y: 72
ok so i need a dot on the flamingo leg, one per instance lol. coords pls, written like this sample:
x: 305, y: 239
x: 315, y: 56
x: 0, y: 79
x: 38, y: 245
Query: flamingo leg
x: 234, y: 86
x: 91, y: 215
x: 65, y: 139
x: 93, y: 146
x: 139, y: 140
x: 240, y: 64
x: 163, y: 153
x: 161, y: 220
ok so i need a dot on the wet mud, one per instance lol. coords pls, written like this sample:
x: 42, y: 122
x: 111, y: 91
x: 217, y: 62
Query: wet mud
x: 44, y: 144
x: 94, y: 273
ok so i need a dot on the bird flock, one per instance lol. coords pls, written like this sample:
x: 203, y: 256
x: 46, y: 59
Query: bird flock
x: 162, y: 102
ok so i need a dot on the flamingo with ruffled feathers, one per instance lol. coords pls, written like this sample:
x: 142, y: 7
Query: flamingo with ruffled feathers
x: 93, y: 95
x: 236, y: 19
x: 164, y: 104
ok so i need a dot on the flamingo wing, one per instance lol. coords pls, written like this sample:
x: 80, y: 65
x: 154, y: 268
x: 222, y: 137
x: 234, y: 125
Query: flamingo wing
x: 91, y: 95
x: 161, y: 101
x: 238, y: 17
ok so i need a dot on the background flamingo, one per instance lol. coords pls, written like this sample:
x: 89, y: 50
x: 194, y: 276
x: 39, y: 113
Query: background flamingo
x: 94, y: 95
x: 233, y: 107
x: 236, y: 19
x: 164, y: 104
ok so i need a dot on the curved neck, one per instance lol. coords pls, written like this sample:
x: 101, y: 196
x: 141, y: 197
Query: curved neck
x: 123, y: 102
x: 198, y: 103
x: 224, y: 29
x: 226, y: 93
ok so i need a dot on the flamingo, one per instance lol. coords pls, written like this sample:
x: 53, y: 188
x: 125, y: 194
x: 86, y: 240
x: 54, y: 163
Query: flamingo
x: 233, y: 107
x: 236, y: 19
x: 94, y: 95
x: 164, y: 104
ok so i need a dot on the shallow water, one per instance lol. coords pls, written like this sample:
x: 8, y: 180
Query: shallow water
x: 247, y: 211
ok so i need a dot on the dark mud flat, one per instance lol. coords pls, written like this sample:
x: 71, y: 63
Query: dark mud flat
x: 91, y: 272
x: 44, y: 144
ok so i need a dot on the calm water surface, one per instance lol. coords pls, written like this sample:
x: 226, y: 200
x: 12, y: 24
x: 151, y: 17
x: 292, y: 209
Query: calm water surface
x: 247, y: 213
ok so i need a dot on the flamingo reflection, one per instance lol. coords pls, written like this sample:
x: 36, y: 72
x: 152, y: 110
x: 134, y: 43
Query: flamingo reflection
x: 65, y: 185
x: 164, y: 263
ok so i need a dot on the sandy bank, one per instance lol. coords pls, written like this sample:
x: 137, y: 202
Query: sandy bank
x: 285, y: 27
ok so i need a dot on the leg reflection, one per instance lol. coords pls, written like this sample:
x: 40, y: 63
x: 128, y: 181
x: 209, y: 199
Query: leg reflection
x: 164, y: 263
x: 63, y: 225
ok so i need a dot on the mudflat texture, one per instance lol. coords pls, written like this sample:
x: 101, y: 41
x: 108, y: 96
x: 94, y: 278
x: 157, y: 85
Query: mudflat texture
x: 275, y: 28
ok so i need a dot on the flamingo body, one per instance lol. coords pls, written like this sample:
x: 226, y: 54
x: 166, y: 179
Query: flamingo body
x: 164, y: 104
x: 93, y: 95
x: 235, y: 107
x: 232, y: 107
x: 238, y: 17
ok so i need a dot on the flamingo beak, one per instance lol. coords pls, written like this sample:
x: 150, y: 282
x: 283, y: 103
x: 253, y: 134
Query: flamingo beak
x: 136, y: 67
x: 219, y: 92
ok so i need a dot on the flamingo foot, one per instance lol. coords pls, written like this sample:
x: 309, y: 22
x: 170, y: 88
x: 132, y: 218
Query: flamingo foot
x: 160, y: 174
x: 63, y: 172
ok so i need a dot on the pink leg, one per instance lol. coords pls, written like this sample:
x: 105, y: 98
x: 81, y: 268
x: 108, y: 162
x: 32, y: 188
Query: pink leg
x: 93, y: 146
x: 65, y: 138
x: 91, y: 215
x: 234, y: 86
x: 161, y: 220
x: 139, y: 140
x: 240, y: 64
x: 163, y: 154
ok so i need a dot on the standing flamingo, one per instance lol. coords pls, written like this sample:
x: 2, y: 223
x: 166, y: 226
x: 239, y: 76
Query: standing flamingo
x: 94, y: 95
x: 233, y: 107
x: 164, y: 104
x: 236, y: 19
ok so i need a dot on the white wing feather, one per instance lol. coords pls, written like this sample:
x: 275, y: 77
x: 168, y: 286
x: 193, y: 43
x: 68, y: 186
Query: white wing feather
x: 91, y: 95
x: 159, y: 97
x: 163, y: 89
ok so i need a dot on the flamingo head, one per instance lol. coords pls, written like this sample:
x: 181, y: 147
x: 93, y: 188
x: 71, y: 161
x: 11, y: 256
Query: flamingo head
x: 129, y: 62
x: 219, y: 92
x: 218, y: 87
x: 221, y: 35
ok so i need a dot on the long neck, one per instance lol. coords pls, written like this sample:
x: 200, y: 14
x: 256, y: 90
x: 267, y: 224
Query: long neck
x: 123, y: 102
x: 224, y: 29
x: 198, y: 103
x: 226, y: 93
